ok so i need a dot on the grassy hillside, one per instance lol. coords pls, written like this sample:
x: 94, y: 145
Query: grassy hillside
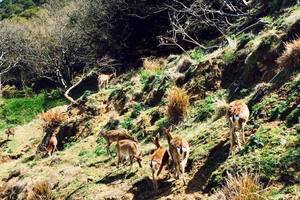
x: 260, y: 66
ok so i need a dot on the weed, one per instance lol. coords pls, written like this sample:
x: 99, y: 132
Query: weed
x: 154, y: 64
x: 137, y: 108
x: 291, y: 56
x: 242, y: 187
x: 127, y: 123
x: 205, y: 109
x: 197, y: 54
x: 178, y: 102
x: 229, y: 56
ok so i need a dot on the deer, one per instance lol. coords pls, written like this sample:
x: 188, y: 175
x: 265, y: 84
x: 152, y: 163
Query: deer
x: 115, y: 135
x: 52, y: 145
x: 103, y: 79
x: 179, y: 150
x: 158, y: 159
x: 238, y: 115
x: 9, y: 132
x: 128, y: 148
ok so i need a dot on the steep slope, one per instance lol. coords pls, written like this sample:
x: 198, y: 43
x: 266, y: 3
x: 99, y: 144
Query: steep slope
x: 137, y: 100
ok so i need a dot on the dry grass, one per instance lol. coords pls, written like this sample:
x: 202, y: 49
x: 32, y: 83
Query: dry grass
x: 242, y: 187
x: 178, y: 102
x: 40, y: 190
x: 52, y: 117
x: 291, y: 56
x: 154, y: 64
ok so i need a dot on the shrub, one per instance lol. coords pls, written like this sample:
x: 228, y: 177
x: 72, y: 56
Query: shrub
x: 154, y: 64
x: 127, y: 123
x: 178, y: 102
x: 9, y: 91
x: 229, y: 56
x: 205, y: 109
x: 137, y: 108
x: 197, y: 55
x: 40, y: 190
x: 52, y: 117
x: 241, y: 187
x: 291, y: 56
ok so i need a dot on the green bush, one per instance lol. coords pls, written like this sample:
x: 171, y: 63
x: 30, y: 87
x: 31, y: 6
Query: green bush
x: 205, y: 109
x: 229, y: 56
x: 127, y: 123
x: 197, y: 55
x: 137, y: 108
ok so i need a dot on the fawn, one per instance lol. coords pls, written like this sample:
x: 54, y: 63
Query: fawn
x: 9, y: 132
x: 159, y: 159
x: 179, y: 150
x: 103, y: 79
x: 114, y: 136
x: 237, y: 115
x: 128, y: 148
x: 52, y: 145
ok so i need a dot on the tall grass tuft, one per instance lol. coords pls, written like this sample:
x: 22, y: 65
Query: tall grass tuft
x: 178, y: 102
x: 241, y: 187
x: 291, y: 56
x: 52, y: 117
x: 154, y: 64
x: 40, y: 190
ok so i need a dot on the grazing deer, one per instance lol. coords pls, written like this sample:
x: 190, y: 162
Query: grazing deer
x: 159, y: 159
x: 9, y: 132
x: 115, y: 135
x: 237, y: 115
x: 128, y: 148
x: 179, y: 150
x: 52, y: 145
x: 103, y: 79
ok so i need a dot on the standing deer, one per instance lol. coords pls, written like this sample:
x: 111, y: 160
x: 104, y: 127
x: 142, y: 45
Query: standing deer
x: 103, y: 79
x: 128, y: 148
x: 52, y: 145
x: 115, y: 135
x: 9, y: 132
x: 238, y: 116
x: 159, y: 159
x: 179, y: 150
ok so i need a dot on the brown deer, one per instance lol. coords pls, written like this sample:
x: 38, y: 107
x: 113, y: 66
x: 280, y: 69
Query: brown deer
x: 115, y: 135
x: 52, y: 145
x: 103, y: 79
x: 159, y: 159
x: 179, y: 150
x: 10, y: 132
x: 238, y: 116
x: 128, y: 148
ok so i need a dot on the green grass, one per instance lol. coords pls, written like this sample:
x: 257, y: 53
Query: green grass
x: 17, y: 111
x: 229, y: 56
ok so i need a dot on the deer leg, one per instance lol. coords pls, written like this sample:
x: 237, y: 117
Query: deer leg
x: 232, y: 139
x: 243, y: 132
x: 183, y: 164
x: 107, y: 148
x: 238, y: 140
x: 154, y: 181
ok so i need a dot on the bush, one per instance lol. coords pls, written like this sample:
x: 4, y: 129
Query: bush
x: 205, y: 109
x: 197, y: 55
x: 229, y: 56
x: 154, y: 64
x: 291, y: 56
x: 241, y: 187
x: 178, y: 102
x: 40, y: 190
x: 52, y: 117
x: 9, y: 91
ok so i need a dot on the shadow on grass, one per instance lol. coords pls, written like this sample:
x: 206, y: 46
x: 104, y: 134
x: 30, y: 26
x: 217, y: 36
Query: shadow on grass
x: 216, y: 157
x: 143, y: 189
